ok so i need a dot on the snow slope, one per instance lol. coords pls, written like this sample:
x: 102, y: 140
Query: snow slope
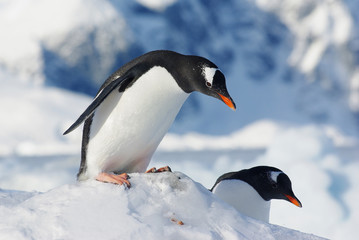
x: 150, y: 209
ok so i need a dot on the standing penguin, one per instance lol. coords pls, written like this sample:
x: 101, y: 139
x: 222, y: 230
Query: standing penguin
x: 250, y: 190
x: 134, y: 109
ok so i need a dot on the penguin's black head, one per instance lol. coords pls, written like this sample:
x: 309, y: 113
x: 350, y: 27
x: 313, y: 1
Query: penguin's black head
x: 269, y: 182
x: 205, y: 77
x: 215, y: 85
x: 192, y: 73
x: 277, y: 185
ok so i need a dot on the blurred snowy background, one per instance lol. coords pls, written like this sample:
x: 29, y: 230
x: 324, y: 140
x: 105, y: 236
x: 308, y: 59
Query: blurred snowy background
x: 292, y: 67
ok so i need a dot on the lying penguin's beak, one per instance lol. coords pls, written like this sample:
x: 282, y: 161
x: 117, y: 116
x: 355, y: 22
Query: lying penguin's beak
x: 228, y: 101
x: 293, y: 200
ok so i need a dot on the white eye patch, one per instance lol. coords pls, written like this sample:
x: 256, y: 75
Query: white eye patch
x: 208, y: 74
x: 274, y: 176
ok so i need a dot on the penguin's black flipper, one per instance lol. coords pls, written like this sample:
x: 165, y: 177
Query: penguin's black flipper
x: 119, y: 82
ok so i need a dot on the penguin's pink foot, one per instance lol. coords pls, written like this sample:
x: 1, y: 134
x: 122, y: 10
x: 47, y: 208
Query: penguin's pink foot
x: 113, y: 178
x: 162, y: 169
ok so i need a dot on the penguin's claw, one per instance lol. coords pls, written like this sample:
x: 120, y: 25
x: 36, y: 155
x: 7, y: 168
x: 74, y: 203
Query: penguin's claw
x: 151, y: 170
x: 162, y: 169
x: 113, y: 178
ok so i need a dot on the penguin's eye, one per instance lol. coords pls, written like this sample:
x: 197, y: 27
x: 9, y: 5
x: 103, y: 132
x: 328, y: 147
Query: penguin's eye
x: 209, y: 74
x: 274, y: 185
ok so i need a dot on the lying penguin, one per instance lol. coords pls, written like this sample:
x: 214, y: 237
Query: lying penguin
x: 250, y: 190
x: 134, y: 109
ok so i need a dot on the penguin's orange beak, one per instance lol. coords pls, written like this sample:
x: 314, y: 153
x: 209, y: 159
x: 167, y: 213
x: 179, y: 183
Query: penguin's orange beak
x: 228, y: 101
x: 294, y: 200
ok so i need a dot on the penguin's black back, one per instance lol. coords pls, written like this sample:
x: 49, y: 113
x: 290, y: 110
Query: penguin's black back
x: 178, y: 66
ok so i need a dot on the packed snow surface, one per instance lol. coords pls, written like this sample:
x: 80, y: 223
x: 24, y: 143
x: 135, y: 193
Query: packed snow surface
x: 157, y: 206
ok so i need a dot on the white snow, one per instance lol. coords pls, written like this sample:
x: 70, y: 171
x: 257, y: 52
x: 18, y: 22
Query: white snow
x: 257, y: 135
x: 34, y: 118
x: 30, y: 25
x: 156, y: 5
x: 150, y: 209
x: 318, y: 28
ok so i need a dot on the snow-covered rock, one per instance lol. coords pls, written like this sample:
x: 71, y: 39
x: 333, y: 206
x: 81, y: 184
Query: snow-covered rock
x: 157, y: 206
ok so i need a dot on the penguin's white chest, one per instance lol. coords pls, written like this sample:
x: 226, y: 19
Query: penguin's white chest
x: 127, y: 127
x: 244, y: 198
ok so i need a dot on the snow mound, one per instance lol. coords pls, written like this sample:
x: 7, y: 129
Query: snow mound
x: 150, y: 209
